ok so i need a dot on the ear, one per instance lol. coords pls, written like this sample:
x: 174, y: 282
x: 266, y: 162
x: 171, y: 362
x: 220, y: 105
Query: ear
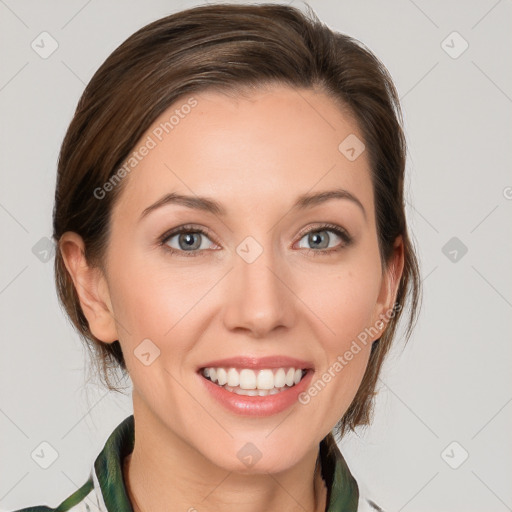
x: 91, y: 287
x: 389, y: 288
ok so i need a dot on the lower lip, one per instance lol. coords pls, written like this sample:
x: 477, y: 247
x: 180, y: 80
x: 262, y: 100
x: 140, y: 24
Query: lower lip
x: 257, y: 405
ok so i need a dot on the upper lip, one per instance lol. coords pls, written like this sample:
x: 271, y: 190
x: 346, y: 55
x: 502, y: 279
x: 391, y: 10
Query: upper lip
x: 258, y: 363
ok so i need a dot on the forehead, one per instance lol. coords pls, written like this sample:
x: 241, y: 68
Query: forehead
x: 265, y: 147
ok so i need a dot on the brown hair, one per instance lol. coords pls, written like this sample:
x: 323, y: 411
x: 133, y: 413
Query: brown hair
x: 229, y: 48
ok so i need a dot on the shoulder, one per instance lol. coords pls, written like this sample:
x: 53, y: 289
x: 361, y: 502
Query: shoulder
x: 82, y: 500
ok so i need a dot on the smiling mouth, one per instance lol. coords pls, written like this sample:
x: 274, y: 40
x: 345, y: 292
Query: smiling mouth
x: 248, y: 382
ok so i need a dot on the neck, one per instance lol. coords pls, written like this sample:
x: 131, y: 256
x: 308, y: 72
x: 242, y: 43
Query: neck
x: 172, y: 476
x: 317, y: 502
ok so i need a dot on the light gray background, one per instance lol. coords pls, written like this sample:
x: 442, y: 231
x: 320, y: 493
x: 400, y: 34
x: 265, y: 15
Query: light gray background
x: 452, y: 382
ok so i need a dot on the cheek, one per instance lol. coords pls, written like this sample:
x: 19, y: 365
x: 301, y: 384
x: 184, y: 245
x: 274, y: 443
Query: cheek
x: 158, y: 302
x: 344, y: 302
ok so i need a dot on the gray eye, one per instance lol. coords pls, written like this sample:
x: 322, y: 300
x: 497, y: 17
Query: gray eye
x: 188, y: 241
x: 319, y: 239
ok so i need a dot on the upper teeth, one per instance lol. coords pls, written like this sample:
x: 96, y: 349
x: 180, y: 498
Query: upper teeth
x: 250, y: 379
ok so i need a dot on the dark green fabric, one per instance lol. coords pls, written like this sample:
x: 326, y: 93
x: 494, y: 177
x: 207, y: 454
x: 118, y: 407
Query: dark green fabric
x: 342, y: 489
x: 109, y: 466
x: 76, y: 497
x: 69, y: 502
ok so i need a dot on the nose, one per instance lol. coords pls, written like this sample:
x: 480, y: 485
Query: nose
x: 259, y: 296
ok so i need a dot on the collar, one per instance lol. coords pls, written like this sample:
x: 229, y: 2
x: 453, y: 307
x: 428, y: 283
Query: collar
x: 109, y: 486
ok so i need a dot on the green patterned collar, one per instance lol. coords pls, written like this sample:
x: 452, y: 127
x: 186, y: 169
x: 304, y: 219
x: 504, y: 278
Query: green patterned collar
x: 342, y: 489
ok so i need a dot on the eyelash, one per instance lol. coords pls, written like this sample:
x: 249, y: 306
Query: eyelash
x: 189, y: 228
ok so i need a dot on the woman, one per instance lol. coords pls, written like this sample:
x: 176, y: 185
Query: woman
x: 230, y: 219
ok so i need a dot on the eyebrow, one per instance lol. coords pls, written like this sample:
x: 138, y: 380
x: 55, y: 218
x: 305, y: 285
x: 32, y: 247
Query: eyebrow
x: 211, y: 206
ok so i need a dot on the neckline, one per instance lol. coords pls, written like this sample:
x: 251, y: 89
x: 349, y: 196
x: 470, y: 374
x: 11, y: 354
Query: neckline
x: 342, y: 488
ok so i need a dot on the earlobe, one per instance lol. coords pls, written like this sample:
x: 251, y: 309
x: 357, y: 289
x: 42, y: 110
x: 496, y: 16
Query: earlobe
x: 91, y: 288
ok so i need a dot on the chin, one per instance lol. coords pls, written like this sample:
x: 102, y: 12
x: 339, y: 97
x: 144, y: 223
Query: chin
x: 253, y: 457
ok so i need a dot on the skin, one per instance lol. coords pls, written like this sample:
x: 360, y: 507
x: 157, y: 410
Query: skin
x: 255, y: 155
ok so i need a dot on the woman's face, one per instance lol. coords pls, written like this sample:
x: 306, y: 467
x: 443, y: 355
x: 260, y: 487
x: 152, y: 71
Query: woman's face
x: 256, y: 285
